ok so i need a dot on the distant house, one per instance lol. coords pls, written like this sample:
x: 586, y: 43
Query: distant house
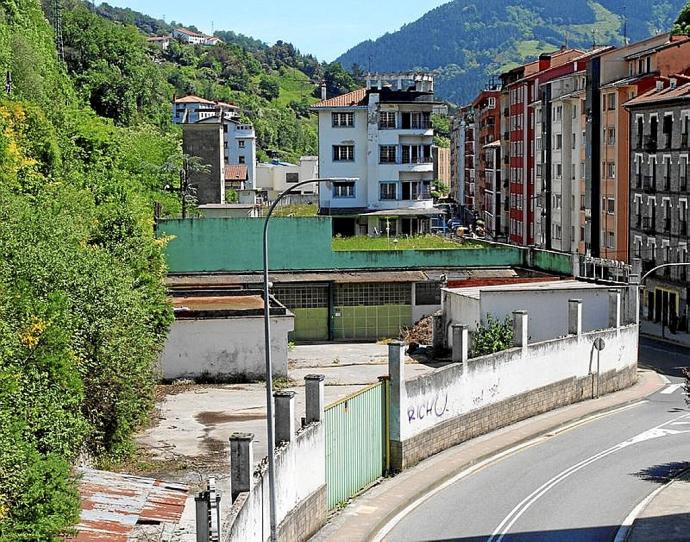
x: 195, y: 38
x: 275, y: 177
x: 191, y: 109
x: 162, y: 42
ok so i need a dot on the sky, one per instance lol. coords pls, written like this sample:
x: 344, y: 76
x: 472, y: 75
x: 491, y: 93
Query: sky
x: 324, y: 29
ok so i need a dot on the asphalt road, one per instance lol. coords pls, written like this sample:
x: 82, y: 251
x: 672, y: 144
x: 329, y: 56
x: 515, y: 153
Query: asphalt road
x: 579, y: 484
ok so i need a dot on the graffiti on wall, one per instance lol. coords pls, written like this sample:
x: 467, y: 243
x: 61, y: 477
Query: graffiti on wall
x: 435, y: 405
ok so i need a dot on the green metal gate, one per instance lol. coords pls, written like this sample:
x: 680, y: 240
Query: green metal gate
x: 357, y: 450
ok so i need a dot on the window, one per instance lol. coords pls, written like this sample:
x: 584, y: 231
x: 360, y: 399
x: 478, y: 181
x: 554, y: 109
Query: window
x: 668, y: 129
x: 291, y: 177
x: 387, y: 119
x: 388, y: 191
x: 343, y: 120
x: 611, y: 136
x: 611, y: 170
x: 427, y: 293
x: 557, y: 199
x: 240, y: 144
x: 387, y: 154
x: 611, y: 240
x: 557, y: 231
x: 343, y: 153
x: 492, y: 103
x: 558, y: 168
x: 558, y: 141
x: 610, y: 206
x: 242, y: 160
x: 611, y: 101
x: 344, y: 189
x: 683, y: 173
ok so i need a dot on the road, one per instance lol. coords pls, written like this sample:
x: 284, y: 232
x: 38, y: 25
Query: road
x: 576, y: 485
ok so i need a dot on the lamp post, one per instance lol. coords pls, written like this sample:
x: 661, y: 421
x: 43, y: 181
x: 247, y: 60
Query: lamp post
x: 663, y: 305
x: 269, y: 365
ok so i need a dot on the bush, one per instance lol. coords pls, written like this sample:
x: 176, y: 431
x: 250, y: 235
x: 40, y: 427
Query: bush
x: 494, y: 336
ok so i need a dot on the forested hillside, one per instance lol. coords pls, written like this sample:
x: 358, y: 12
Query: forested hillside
x: 469, y: 41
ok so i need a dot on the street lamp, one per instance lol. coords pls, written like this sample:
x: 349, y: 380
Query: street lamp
x: 267, y: 345
x: 663, y: 308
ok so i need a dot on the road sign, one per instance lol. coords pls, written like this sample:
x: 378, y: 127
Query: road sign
x: 600, y: 344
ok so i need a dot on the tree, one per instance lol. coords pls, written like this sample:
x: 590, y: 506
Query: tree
x: 439, y: 189
x: 682, y: 24
x: 269, y: 89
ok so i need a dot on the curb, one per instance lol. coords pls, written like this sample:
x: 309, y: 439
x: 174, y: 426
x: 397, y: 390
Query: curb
x: 627, y: 528
x: 665, y: 340
x: 377, y: 535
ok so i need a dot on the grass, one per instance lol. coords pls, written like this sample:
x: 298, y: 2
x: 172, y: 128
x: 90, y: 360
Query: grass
x: 294, y: 85
x: 300, y: 210
x: 420, y: 242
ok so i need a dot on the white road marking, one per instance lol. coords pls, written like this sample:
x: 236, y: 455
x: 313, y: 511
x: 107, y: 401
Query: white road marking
x: 672, y: 388
x: 390, y: 525
x: 515, y: 514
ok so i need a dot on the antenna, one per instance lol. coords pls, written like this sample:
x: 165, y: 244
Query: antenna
x: 57, y: 26
x: 370, y: 60
x: 625, y: 25
x: 566, y: 36
x: 594, y: 39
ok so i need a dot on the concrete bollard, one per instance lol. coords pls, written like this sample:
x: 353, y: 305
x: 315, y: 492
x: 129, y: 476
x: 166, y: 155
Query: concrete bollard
x: 241, y: 462
x: 575, y: 317
x: 461, y: 339
x: 520, y: 331
x: 285, y: 416
x: 396, y: 371
x: 614, y: 308
x: 438, y: 333
x: 314, y: 386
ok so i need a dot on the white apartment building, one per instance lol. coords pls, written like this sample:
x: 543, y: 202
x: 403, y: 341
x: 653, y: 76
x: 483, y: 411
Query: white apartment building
x: 194, y: 38
x: 560, y: 163
x: 239, y: 139
x: 276, y: 177
x: 379, y: 140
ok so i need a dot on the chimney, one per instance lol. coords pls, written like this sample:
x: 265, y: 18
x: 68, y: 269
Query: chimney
x: 673, y: 82
x: 323, y: 91
x: 659, y: 84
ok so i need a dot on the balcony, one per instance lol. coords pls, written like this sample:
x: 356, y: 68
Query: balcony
x: 649, y: 184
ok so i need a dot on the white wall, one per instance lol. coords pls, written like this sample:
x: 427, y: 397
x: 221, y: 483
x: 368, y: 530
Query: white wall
x: 300, y: 471
x: 548, y: 309
x: 456, y: 390
x: 224, y: 348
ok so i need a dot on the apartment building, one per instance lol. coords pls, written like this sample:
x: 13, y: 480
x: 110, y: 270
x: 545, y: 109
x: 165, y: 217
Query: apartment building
x: 614, y: 78
x: 239, y: 139
x: 470, y: 173
x: 487, y: 123
x: 457, y: 158
x: 659, y: 134
x: 378, y: 140
x: 441, y: 158
x: 492, y: 189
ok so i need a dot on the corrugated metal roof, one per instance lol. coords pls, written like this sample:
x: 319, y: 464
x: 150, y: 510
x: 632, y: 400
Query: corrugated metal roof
x: 112, y: 505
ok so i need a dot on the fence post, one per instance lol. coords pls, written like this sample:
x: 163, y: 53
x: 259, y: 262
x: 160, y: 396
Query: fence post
x: 208, y: 514
x: 396, y: 371
x: 285, y: 416
x: 575, y: 317
x: 461, y: 338
x: 241, y: 461
x: 520, y: 331
x: 314, y: 386
x: 614, y: 308
x: 438, y: 333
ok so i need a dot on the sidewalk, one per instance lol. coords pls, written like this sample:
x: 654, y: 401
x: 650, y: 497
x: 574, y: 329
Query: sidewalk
x: 370, y: 512
x: 667, y: 516
x: 652, y: 329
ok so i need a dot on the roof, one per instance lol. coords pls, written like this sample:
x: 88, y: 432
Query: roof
x: 496, y: 143
x: 351, y: 99
x: 183, y: 30
x: 674, y: 41
x: 407, y: 212
x: 236, y: 302
x: 680, y: 92
x: 235, y: 172
x: 158, y: 38
x: 475, y: 292
x: 191, y: 99
x: 113, y: 505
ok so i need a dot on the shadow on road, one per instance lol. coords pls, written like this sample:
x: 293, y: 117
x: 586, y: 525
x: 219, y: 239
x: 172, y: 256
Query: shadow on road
x: 583, y: 534
x: 664, y: 358
x: 663, y: 473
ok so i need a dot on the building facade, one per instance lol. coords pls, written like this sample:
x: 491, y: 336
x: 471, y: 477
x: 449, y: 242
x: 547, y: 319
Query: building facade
x: 659, y: 133
x: 276, y: 177
x: 378, y: 140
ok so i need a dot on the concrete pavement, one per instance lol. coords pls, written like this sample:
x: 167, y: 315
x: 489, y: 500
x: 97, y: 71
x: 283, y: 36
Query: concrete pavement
x: 653, y: 330
x: 375, y: 509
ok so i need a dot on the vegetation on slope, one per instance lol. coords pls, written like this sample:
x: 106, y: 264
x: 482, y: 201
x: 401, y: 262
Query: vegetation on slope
x: 468, y: 42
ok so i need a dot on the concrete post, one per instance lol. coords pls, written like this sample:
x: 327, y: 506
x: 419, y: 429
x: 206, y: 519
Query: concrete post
x: 520, y: 332
x: 575, y: 317
x: 396, y: 371
x: 241, y: 463
x: 614, y: 308
x: 576, y: 265
x: 461, y: 339
x: 438, y: 333
x: 285, y: 416
x: 208, y: 514
x: 314, y: 386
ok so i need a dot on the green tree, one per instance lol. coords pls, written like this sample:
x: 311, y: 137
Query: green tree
x: 494, y: 336
x: 682, y: 24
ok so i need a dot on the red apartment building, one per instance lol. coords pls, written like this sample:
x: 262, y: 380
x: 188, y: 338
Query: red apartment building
x: 487, y: 128
x: 519, y: 92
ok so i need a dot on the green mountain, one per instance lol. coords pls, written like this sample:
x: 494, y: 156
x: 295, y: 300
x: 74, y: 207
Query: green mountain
x: 469, y: 41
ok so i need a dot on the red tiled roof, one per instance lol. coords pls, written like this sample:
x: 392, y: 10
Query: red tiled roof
x: 191, y: 99
x: 235, y: 172
x: 356, y: 97
x: 183, y: 30
x: 680, y: 92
